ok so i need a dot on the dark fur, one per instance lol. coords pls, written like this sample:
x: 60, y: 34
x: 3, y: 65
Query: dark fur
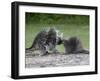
x: 51, y: 39
x: 45, y: 41
x: 74, y: 45
x: 39, y: 42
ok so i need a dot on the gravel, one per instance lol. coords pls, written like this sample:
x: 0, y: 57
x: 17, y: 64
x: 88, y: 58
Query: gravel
x: 55, y: 60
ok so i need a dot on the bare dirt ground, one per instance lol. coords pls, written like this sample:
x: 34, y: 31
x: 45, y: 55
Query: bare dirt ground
x: 54, y: 60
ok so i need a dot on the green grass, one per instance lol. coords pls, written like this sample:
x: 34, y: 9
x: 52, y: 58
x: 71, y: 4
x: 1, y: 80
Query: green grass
x: 81, y: 31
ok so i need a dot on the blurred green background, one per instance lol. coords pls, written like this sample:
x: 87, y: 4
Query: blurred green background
x: 70, y: 25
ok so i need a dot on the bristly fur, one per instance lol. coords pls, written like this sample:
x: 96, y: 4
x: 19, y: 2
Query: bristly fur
x: 74, y: 45
x: 39, y: 42
x: 45, y: 41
